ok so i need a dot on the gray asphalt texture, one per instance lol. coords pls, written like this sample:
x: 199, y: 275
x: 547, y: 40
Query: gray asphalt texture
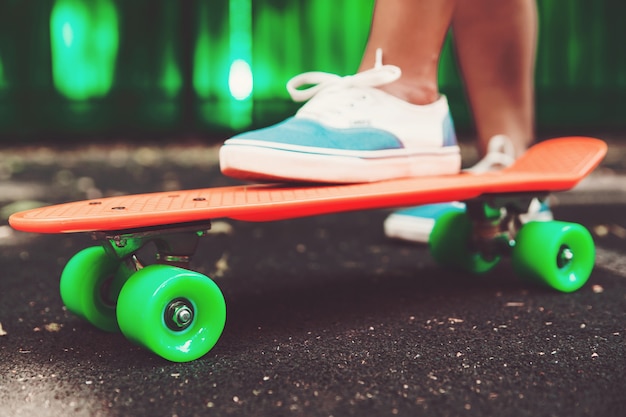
x: 326, y: 317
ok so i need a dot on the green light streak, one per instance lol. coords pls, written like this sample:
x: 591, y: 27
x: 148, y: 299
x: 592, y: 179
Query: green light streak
x: 201, y: 56
x: 240, y: 80
x: 278, y: 49
x: 171, y: 78
x: 67, y: 34
x: 211, y: 59
x: 84, y: 42
x: 240, y: 26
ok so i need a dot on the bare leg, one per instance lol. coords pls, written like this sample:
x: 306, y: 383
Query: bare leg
x: 411, y: 35
x: 495, y: 42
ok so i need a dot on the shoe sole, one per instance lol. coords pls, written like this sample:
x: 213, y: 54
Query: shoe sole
x: 259, y: 163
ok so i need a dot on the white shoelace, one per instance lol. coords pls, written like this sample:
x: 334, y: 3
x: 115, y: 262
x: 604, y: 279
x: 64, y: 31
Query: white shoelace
x: 323, y: 81
x: 500, y: 154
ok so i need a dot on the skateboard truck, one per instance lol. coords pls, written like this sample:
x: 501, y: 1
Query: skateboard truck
x: 496, y: 221
x: 175, y: 245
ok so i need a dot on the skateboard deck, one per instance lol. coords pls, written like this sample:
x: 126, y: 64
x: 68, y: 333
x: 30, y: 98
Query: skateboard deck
x: 550, y: 166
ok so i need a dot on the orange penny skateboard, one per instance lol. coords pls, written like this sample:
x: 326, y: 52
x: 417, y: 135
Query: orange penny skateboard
x: 179, y: 314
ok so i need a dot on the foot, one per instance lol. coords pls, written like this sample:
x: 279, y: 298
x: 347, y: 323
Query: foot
x: 348, y: 131
x: 414, y: 224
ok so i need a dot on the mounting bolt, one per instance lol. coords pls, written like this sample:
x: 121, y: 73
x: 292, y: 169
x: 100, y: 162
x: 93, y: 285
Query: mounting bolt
x: 182, y: 316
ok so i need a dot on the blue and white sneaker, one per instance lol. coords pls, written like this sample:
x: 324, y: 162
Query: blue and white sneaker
x: 414, y: 224
x: 348, y: 131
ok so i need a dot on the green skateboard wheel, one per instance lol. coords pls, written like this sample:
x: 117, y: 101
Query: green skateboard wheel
x: 90, y: 284
x: 450, y: 245
x: 175, y: 313
x: 557, y: 254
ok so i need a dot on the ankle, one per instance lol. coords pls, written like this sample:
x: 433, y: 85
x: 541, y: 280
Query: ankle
x: 412, y: 93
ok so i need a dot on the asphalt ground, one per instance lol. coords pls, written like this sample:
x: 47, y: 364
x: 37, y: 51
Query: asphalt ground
x: 326, y: 317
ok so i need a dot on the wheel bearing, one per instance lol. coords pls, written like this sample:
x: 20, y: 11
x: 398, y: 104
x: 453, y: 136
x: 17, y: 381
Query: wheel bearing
x: 179, y: 314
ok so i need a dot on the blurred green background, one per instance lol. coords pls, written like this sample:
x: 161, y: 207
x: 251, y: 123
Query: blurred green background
x: 71, y: 69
